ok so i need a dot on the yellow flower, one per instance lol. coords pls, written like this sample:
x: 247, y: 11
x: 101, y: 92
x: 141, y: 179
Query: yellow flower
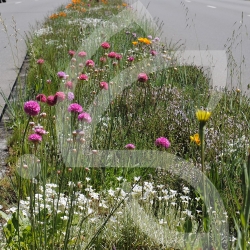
x: 144, y: 40
x: 196, y: 138
x: 203, y: 115
x: 135, y: 43
x: 124, y: 4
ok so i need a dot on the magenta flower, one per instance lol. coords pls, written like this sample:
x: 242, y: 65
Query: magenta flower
x: 31, y: 108
x: 75, y: 108
x: 142, y: 77
x: 51, y: 100
x: 162, y: 142
x: 83, y: 77
x: 61, y: 75
x: 40, y: 61
x: 104, y: 85
x: 69, y: 85
x: 85, y: 117
x: 90, y: 63
x: 41, y: 98
x: 112, y: 54
x: 40, y: 131
x: 103, y: 59
x: 60, y: 96
x: 82, y: 54
x: 130, y: 146
x: 131, y: 59
x: 118, y: 56
x: 71, y: 96
x: 35, y: 138
x: 105, y: 45
x: 153, y: 52
x: 71, y: 52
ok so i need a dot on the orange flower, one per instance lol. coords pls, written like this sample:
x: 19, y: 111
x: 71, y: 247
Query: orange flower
x: 124, y: 4
x: 135, y: 43
x: 53, y: 16
x: 76, y: 1
x: 196, y: 138
x: 69, y: 6
x: 62, y: 14
x: 144, y: 40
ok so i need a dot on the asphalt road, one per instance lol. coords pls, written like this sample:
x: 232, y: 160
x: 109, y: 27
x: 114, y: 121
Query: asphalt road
x: 19, y: 17
x: 209, y: 25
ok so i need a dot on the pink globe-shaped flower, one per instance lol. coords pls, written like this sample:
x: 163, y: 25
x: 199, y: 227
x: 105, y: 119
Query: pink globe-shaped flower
x: 85, y: 117
x: 83, y: 77
x: 90, y: 63
x: 131, y: 59
x: 71, y: 96
x: 61, y: 75
x: 40, y: 131
x: 40, y: 61
x: 105, y: 45
x: 71, y: 52
x: 104, y: 85
x: 60, y: 96
x: 35, y: 138
x: 103, y: 59
x: 31, y: 108
x: 162, y: 142
x: 69, y: 85
x: 75, y: 108
x: 142, y: 77
x: 112, y: 54
x: 118, y: 57
x: 130, y: 146
x: 51, y: 100
x: 41, y: 98
x: 153, y: 52
x: 82, y: 54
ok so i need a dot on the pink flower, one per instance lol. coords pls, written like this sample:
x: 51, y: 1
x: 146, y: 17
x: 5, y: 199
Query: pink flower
x: 153, y: 52
x: 40, y: 61
x: 112, y: 54
x: 71, y: 96
x: 51, y: 100
x: 49, y: 81
x: 41, y: 98
x: 85, y: 117
x: 105, y: 45
x: 35, y: 138
x: 71, y: 52
x: 60, y: 96
x: 131, y: 59
x: 104, y: 85
x: 31, y: 108
x: 40, y: 131
x: 75, y: 108
x: 130, y: 146
x: 69, y: 85
x: 83, y: 77
x: 103, y: 59
x: 82, y: 54
x: 61, y: 75
x: 90, y: 63
x: 142, y: 77
x: 162, y: 142
x: 118, y: 56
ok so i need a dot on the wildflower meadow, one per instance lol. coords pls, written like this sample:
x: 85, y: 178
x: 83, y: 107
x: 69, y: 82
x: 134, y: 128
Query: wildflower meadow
x: 113, y: 144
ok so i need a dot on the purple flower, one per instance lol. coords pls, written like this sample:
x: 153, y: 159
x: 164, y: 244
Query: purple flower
x: 85, y: 117
x: 130, y: 146
x: 142, y: 77
x: 35, y: 138
x: 31, y: 108
x: 61, y: 75
x: 134, y: 34
x: 71, y: 96
x: 75, y: 108
x: 162, y: 142
x: 40, y: 131
x: 157, y: 39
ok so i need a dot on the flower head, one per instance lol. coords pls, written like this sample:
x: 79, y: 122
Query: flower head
x: 130, y: 146
x: 203, y: 115
x: 82, y: 54
x: 195, y: 138
x: 162, y: 142
x: 131, y: 59
x: 71, y: 52
x: 112, y: 54
x: 103, y: 59
x: 104, y: 85
x: 31, y: 108
x: 40, y: 61
x: 69, y: 85
x: 90, y: 63
x: 85, y: 117
x: 105, y: 45
x: 61, y: 75
x: 35, y: 138
x: 71, y: 96
x: 60, y: 96
x: 40, y: 131
x: 75, y: 108
x: 142, y: 77
x: 51, y: 100
x: 83, y: 77
x: 153, y: 52
x: 41, y: 98
x: 118, y: 57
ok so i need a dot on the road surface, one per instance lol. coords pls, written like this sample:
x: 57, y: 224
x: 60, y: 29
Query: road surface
x: 209, y: 25
x: 21, y: 16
